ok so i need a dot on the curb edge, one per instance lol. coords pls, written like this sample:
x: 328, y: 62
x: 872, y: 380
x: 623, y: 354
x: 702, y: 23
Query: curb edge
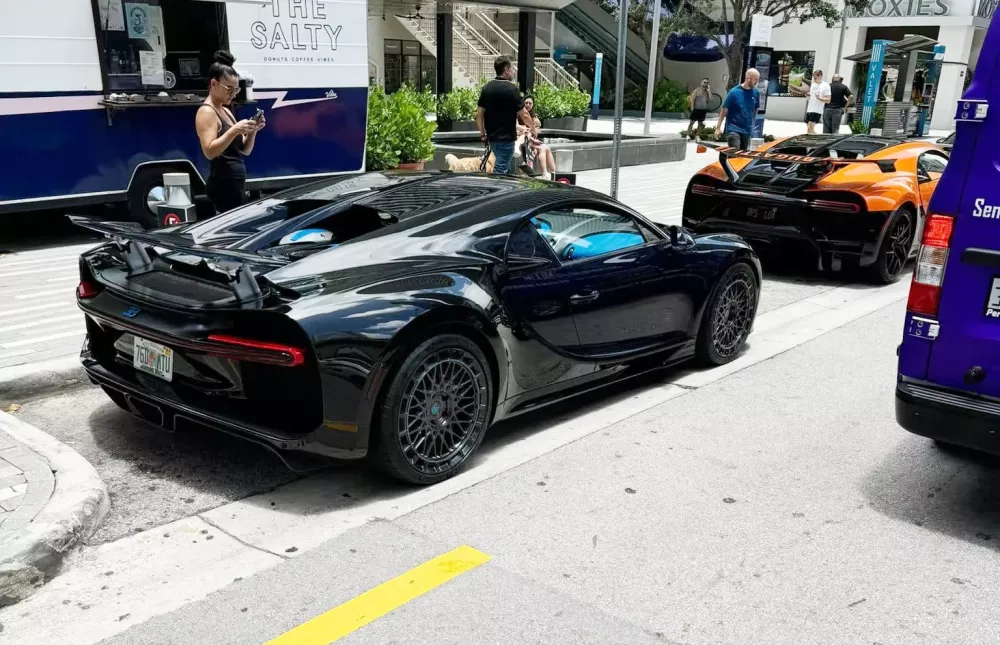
x: 79, y: 502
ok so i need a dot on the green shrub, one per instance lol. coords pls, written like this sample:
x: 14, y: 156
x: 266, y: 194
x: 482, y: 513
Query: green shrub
x: 560, y: 102
x: 381, y: 145
x: 668, y: 96
x: 708, y: 134
x: 398, y: 129
x: 413, y: 130
x: 459, y: 104
x: 857, y: 127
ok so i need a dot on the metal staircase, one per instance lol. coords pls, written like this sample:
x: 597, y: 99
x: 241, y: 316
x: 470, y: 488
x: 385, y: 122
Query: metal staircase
x: 423, y: 29
x: 478, y: 41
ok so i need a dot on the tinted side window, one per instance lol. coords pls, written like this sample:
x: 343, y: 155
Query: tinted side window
x: 581, y: 233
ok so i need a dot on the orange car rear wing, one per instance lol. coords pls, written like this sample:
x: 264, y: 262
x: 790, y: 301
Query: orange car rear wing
x: 726, y: 152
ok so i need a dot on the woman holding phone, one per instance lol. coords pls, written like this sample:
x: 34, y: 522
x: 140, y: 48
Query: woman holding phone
x: 224, y: 140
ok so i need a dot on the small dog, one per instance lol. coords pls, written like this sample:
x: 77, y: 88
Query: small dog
x: 468, y: 164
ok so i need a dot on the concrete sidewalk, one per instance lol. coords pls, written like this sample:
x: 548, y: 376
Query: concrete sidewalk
x: 51, y: 498
x: 634, y: 125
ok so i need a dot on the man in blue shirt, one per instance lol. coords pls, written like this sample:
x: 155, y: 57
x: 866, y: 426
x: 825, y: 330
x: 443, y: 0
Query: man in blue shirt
x: 739, y: 111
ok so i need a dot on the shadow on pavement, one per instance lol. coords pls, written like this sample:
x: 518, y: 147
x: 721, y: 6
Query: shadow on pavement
x: 152, y: 473
x: 47, y: 229
x: 953, y: 491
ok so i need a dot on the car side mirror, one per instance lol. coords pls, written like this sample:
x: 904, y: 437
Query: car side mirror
x: 520, y: 265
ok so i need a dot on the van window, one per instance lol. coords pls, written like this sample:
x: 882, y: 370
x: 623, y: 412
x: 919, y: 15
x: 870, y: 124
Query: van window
x: 932, y: 161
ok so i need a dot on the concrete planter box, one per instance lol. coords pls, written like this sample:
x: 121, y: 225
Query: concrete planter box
x: 640, y: 114
x: 574, y: 123
x: 456, y: 126
x: 582, y: 151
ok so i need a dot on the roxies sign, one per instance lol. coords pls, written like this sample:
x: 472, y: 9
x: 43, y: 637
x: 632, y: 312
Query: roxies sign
x: 298, y: 24
x: 904, y: 9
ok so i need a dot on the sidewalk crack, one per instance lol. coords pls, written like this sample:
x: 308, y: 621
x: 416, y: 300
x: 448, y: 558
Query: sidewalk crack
x: 218, y: 528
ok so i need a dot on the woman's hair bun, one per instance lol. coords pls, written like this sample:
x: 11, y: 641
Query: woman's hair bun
x: 224, y: 58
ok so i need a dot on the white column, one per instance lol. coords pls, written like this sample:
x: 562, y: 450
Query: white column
x: 958, y: 47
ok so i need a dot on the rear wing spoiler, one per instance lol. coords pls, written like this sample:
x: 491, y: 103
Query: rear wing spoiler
x: 135, y: 244
x: 726, y: 152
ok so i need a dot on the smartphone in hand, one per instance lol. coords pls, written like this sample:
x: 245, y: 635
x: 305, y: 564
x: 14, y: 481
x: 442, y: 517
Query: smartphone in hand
x: 260, y: 115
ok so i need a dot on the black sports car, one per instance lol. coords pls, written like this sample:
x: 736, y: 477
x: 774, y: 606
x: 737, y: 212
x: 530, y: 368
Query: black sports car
x: 399, y: 315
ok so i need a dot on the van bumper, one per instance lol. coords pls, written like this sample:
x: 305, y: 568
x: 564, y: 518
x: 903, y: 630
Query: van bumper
x: 948, y: 416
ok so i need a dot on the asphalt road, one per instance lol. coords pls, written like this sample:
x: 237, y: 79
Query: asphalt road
x: 155, y: 477
x: 779, y: 505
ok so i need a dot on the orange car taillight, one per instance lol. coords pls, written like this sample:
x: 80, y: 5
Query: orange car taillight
x: 925, y: 290
x: 256, y: 351
x: 837, y: 207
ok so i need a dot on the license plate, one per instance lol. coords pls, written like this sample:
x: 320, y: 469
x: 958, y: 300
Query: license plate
x: 993, y: 299
x: 153, y: 358
x: 762, y: 214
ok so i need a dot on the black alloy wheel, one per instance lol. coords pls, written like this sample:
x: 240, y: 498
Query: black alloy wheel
x: 895, y: 249
x: 436, y: 411
x: 729, y: 316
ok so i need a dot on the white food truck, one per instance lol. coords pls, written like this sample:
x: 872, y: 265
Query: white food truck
x: 98, y: 97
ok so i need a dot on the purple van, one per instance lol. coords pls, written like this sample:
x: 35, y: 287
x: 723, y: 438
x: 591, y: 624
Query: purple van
x: 948, y: 384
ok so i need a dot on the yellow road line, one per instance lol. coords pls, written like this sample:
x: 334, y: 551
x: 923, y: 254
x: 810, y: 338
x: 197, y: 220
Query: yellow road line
x: 375, y: 603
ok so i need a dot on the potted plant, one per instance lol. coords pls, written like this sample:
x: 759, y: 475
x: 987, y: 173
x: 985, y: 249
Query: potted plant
x: 456, y: 110
x: 561, y: 108
x: 413, y: 131
x: 381, y: 144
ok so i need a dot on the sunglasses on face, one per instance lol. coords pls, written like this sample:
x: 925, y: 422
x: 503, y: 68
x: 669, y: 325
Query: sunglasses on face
x: 229, y: 88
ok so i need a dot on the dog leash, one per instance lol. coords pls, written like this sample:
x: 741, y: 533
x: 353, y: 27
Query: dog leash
x: 484, y: 164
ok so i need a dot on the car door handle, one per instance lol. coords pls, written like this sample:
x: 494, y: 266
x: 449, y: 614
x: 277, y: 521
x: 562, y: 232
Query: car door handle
x: 584, y: 297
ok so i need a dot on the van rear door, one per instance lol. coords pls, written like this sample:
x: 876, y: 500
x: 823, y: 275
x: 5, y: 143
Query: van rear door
x: 969, y: 191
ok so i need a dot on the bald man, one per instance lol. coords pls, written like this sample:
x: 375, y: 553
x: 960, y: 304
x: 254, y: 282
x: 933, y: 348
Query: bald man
x: 739, y: 111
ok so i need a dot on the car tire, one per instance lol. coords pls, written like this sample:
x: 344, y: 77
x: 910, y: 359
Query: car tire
x: 894, y: 252
x: 729, y: 316
x: 442, y: 384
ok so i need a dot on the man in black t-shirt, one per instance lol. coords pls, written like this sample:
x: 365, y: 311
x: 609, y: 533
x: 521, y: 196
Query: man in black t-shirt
x: 500, y: 107
x: 833, y: 112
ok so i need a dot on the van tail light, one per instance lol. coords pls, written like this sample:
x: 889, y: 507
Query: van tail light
x: 925, y: 290
x: 255, y: 351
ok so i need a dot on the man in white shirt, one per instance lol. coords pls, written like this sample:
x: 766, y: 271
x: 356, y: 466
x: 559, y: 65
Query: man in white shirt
x: 819, y: 96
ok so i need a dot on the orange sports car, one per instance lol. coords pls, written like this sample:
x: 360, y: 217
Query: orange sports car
x: 855, y: 200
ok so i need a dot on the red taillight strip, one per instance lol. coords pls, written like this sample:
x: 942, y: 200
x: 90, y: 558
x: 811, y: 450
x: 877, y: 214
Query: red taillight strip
x: 86, y: 290
x: 839, y: 207
x: 290, y: 356
x: 254, y: 352
x: 701, y: 189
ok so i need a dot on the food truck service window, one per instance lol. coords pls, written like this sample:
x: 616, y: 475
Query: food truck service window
x: 156, y: 46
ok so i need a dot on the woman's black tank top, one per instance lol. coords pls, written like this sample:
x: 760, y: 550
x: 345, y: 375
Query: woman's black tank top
x: 230, y: 162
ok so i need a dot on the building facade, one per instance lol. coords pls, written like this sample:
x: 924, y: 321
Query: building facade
x: 959, y: 25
